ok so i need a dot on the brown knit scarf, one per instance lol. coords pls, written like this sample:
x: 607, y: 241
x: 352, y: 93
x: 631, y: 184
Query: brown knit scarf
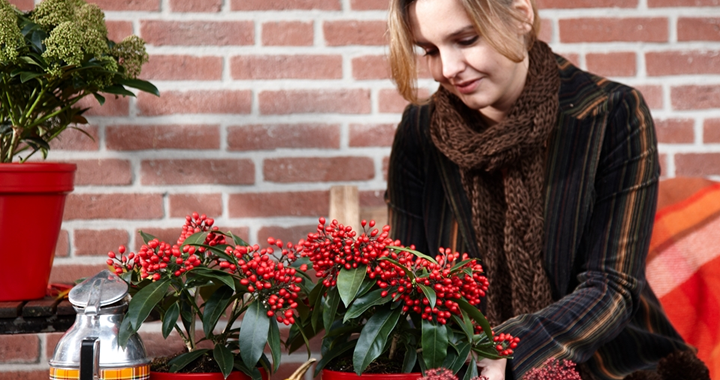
x: 503, y: 168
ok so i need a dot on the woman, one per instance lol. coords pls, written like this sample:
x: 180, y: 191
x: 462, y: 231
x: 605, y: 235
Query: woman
x: 546, y: 173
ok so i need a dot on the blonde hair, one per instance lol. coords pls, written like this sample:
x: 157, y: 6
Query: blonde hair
x: 495, y: 20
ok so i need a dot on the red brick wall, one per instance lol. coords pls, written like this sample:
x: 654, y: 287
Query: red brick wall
x: 267, y: 103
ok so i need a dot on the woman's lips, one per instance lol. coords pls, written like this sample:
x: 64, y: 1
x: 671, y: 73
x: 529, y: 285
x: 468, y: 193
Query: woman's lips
x: 467, y: 86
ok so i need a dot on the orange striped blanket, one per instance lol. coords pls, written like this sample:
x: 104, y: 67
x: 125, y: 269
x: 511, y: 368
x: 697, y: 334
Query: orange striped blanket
x: 683, y: 265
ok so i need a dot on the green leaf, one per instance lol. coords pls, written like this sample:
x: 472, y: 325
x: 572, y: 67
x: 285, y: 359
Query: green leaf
x: 434, y: 343
x: 330, y: 307
x: 407, y: 270
x: 349, y: 281
x: 238, y: 240
x: 429, y: 293
x: 471, y: 371
x: 214, y: 275
x: 409, y: 360
x: 253, y: 334
x: 317, y: 312
x: 170, y: 319
x: 463, y: 352
x: 100, y: 99
x: 414, y: 252
x: 26, y: 76
x: 144, y: 301
x: 140, y: 85
x: 215, y: 307
x: 195, y: 239
x: 475, y: 314
x: 334, y: 352
x: 465, y: 324
x: 274, y: 343
x: 146, y: 237
x: 117, y: 90
x: 459, y: 265
x: 367, y: 284
x: 181, y: 361
x: 373, y: 337
x: 125, y: 332
x: 365, y: 302
x: 224, y: 358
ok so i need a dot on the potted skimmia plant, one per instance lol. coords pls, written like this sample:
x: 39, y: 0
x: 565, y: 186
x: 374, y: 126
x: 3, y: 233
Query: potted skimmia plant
x: 50, y: 58
x: 386, y: 309
x: 205, y: 274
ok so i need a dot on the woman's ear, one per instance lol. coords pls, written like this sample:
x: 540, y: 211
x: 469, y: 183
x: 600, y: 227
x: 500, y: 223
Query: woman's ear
x: 525, y: 10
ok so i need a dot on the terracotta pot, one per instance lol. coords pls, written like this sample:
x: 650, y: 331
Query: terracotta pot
x: 235, y: 375
x: 32, y: 200
x: 334, y: 375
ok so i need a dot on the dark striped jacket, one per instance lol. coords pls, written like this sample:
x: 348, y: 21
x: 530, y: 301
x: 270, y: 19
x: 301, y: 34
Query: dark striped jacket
x: 601, y: 190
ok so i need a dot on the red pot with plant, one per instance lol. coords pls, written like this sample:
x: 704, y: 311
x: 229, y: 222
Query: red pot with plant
x: 51, y: 58
x: 387, y: 309
x: 205, y: 275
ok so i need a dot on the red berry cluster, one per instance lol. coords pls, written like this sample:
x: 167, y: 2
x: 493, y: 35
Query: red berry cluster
x: 269, y: 277
x: 505, y: 343
x: 446, y: 278
x: 197, y: 223
x: 336, y: 247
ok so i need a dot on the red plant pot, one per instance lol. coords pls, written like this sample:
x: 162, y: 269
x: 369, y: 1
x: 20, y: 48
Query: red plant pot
x: 235, y: 375
x: 335, y: 375
x: 32, y: 199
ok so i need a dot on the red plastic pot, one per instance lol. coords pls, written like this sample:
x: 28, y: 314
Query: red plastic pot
x: 334, y: 375
x: 236, y: 375
x: 32, y: 200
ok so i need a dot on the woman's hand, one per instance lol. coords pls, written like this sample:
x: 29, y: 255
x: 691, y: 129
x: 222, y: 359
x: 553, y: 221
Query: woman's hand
x: 492, y: 369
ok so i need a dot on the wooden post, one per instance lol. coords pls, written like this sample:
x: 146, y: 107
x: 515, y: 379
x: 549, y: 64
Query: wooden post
x: 345, y: 205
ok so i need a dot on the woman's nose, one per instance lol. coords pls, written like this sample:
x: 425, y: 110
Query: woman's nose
x: 453, y: 63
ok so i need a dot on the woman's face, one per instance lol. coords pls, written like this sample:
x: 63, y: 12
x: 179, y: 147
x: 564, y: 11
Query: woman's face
x: 463, y: 61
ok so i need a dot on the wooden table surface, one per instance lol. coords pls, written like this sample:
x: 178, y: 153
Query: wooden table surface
x: 36, y: 316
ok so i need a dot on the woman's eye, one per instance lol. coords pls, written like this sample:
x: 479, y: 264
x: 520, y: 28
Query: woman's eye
x: 431, y: 52
x: 468, y: 41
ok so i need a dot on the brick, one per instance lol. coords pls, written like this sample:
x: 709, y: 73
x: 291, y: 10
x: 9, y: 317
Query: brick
x: 663, y: 159
x: 546, y: 30
x: 711, y: 131
x: 195, y: 5
x: 370, y: 67
x: 157, y: 346
x: 385, y: 166
x: 632, y: 29
x: 185, y: 204
x: 197, y: 171
x: 23, y: 5
x: 153, y: 137
x: 282, y: 5
x: 168, y: 235
x: 71, y: 273
x: 573, y: 58
x: 569, y: 4
x: 197, y: 33
x: 51, y: 340
x: 616, y: 64
x: 390, y: 101
x: 23, y: 348
x: 274, y: 136
x: 127, y: 5
x: 103, y: 172
x: 72, y: 139
x: 113, y: 206
x: 62, y: 247
x: 352, y: 32
x: 118, y: 30
x: 99, y: 242
x: 371, y: 135
x: 288, y: 33
x: 25, y: 375
x: 182, y: 67
x: 675, y: 131
x: 697, y: 164
x: 114, y: 105
x: 195, y: 102
x: 286, y: 67
x: 318, y: 169
x: 695, y: 97
x: 682, y: 3
x: 698, y: 29
x: 682, y: 62
x: 653, y: 95
x: 286, y: 234
x: 266, y: 204
x: 347, y: 101
x: 368, y: 5
x: 372, y: 198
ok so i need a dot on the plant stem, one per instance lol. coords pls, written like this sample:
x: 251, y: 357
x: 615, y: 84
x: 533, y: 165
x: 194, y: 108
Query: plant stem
x: 393, y: 346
